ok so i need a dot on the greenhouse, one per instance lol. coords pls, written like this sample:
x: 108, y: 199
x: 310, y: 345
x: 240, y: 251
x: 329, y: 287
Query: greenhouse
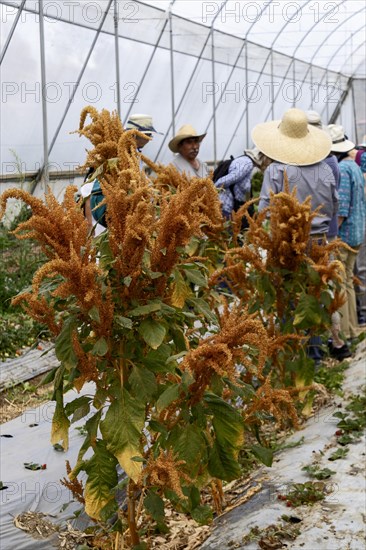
x: 221, y: 66
x: 183, y: 274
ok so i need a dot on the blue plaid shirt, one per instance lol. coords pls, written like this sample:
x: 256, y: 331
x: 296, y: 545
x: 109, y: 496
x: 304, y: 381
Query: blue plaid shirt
x: 238, y: 178
x: 352, y: 204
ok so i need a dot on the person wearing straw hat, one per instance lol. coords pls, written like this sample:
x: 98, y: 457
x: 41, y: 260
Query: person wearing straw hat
x: 351, y: 220
x: 299, y: 149
x: 186, y: 146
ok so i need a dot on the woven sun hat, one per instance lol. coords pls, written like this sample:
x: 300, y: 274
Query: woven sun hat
x: 340, y: 142
x: 291, y: 140
x: 143, y: 123
x: 185, y: 132
x: 314, y: 119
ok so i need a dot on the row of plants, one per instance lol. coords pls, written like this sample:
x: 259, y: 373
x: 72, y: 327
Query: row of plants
x: 193, y: 335
x: 19, y: 261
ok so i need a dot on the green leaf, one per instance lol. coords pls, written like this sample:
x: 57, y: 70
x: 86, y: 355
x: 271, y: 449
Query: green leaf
x: 49, y: 377
x: 72, y: 406
x: 102, y: 477
x: 143, y: 383
x: 263, y: 454
x: 167, y: 397
x: 195, y: 277
x: 123, y: 322
x: 152, y: 332
x: 309, y: 312
x: 202, y: 307
x: 156, y: 360
x: 127, y: 281
x: 94, y: 314
x: 202, y: 514
x: 91, y: 426
x: 154, y: 506
x: 222, y: 463
x: 181, y: 290
x: 60, y: 423
x: 100, y: 347
x: 191, y: 447
x: 63, y: 344
x: 145, y: 310
x: 128, y: 414
x: 229, y: 431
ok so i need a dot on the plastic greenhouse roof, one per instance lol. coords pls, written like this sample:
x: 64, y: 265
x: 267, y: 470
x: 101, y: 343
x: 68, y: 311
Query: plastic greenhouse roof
x: 222, y: 66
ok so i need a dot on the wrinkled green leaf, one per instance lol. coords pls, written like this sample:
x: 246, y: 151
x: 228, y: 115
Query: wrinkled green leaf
x: 100, y: 347
x: 195, y: 277
x: 143, y: 383
x: 63, y: 344
x: 123, y: 322
x: 128, y: 414
x: 94, y: 314
x: 167, y: 397
x: 145, y: 310
x: 309, y: 312
x: 154, y: 506
x: 102, y: 477
x: 152, y: 332
x: 264, y: 454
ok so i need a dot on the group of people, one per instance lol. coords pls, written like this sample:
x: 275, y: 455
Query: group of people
x: 320, y: 161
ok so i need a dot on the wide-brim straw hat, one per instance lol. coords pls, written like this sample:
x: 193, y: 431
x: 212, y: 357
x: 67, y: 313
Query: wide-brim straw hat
x: 291, y: 140
x: 340, y: 142
x: 185, y: 132
x: 142, y: 123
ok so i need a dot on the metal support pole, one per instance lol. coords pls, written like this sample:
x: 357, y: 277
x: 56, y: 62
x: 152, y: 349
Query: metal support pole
x: 294, y: 82
x: 15, y: 22
x: 118, y: 84
x: 247, y: 107
x: 311, y: 87
x: 354, y: 111
x: 44, y: 102
x: 172, y: 66
x: 72, y: 95
x: 213, y: 95
x: 272, y: 89
x: 326, y: 94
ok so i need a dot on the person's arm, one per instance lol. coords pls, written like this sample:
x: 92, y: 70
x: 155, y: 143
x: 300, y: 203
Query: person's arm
x: 344, y: 192
x: 88, y: 213
x: 238, y: 171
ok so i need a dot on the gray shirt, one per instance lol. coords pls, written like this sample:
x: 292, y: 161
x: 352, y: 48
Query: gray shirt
x: 182, y: 165
x: 316, y: 180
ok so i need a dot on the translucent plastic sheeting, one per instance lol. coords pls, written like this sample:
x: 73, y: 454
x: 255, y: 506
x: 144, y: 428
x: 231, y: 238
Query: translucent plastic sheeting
x: 39, y: 490
x: 217, y: 76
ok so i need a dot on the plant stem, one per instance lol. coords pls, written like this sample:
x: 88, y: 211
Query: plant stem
x: 131, y: 514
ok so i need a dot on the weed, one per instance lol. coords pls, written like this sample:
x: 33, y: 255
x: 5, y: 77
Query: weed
x: 304, y: 493
x: 332, y: 377
x: 318, y: 473
x: 338, y: 454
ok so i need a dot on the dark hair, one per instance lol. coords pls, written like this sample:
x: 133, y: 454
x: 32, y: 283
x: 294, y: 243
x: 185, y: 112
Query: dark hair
x: 341, y: 156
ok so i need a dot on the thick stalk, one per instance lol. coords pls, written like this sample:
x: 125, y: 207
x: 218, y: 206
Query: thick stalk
x: 131, y: 516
